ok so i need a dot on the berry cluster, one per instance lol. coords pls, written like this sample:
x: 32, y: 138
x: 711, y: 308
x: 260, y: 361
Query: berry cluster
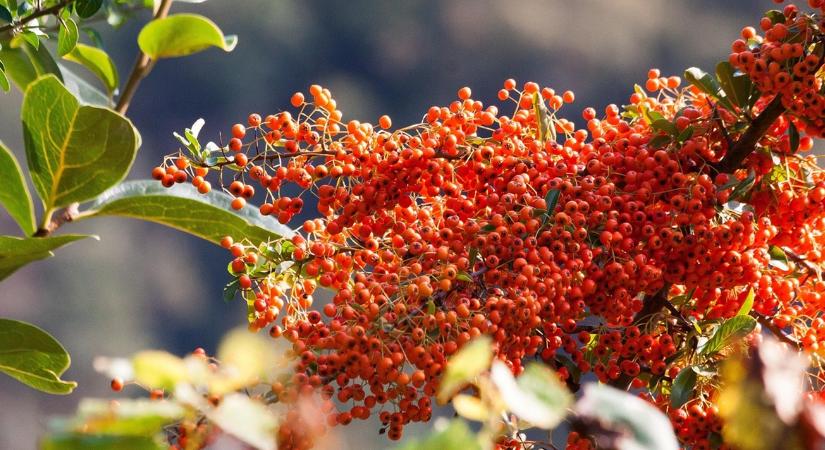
x: 787, y: 62
x: 554, y: 240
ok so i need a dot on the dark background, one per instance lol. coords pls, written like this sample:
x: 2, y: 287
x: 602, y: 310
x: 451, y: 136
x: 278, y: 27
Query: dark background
x: 145, y: 286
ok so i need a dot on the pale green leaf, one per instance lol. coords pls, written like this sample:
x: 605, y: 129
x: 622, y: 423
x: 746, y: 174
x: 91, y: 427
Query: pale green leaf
x: 33, y: 357
x: 16, y: 252
x: 157, y: 369
x: 66, y: 37
x: 98, y: 62
x: 473, y: 359
x: 181, y: 35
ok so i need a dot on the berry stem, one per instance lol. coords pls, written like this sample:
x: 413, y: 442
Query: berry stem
x: 747, y: 142
x: 143, y: 65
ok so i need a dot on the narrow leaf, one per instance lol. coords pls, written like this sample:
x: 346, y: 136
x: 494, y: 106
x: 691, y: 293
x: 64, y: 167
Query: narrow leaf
x: 728, y: 333
x: 747, y: 305
x: 14, y: 196
x: 793, y: 137
x: 707, y: 84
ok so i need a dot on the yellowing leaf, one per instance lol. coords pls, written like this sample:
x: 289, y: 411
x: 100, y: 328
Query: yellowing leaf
x: 473, y: 359
x: 158, y: 369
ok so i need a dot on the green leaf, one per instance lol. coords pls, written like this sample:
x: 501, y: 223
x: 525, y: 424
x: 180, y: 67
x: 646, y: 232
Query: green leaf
x: 182, y: 207
x: 74, y: 152
x: 686, y: 134
x: 747, y: 305
x: 659, y: 141
x: 682, y: 389
x: 230, y: 290
x: 666, y: 126
x: 18, y: 67
x: 248, y: 420
x: 5, y: 14
x: 544, y: 126
x: 707, y: 84
x: 793, y: 137
x: 473, y: 359
x: 16, y: 252
x: 775, y: 16
x: 736, y: 87
x: 85, y: 92
x: 464, y: 276
x: 456, y: 436
x: 181, y: 35
x: 743, y: 186
x: 158, y: 369
x: 87, y: 8
x: 729, y: 332
x: 41, y: 60
x: 98, y: 62
x: 33, y: 357
x: 66, y: 37
x: 538, y: 396
x: 32, y: 38
x: 551, y: 199
x: 80, y: 441
x: 14, y: 196
x: 131, y: 417
x: 644, y: 427
x: 4, y: 80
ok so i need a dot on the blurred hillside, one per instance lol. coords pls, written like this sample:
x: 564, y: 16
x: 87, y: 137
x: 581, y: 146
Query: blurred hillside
x: 145, y: 286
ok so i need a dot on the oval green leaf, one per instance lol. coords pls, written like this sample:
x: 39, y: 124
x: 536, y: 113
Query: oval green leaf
x: 182, y: 207
x: 707, y: 84
x: 74, y: 152
x: 16, y: 252
x: 181, y: 35
x: 730, y: 331
x: 98, y: 62
x: 682, y: 389
x: 66, y: 37
x: 15, y: 195
x: 33, y: 357
x: 87, y: 8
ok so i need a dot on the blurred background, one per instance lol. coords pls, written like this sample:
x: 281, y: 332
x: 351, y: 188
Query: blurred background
x: 144, y: 286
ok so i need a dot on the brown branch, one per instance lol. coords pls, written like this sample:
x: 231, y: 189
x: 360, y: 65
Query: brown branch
x: 143, y: 65
x: 766, y: 322
x: 747, y: 142
x: 35, y: 15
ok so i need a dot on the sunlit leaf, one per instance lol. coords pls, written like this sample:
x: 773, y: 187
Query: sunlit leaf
x: 250, y: 421
x: 16, y: 252
x: 538, y: 396
x: 14, y: 196
x: 731, y: 331
x: 98, y: 62
x: 157, y: 369
x: 74, y: 152
x: 182, y: 207
x: 455, y: 436
x: 473, y: 359
x: 33, y: 357
x: 181, y: 35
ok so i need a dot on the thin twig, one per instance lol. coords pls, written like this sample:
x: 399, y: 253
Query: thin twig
x: 143, y: 65
x: 766, y: 322
x: 66, y: 215
x: 35, y: 15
